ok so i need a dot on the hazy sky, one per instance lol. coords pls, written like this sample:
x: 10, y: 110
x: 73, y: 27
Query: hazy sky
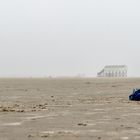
x: 68, y: 37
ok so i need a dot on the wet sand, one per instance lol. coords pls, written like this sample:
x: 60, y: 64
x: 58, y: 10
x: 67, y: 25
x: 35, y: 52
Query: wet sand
x: 72, y: 109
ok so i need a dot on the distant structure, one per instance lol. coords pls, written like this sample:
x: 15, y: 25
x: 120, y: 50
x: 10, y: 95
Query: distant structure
x: 113, y: 71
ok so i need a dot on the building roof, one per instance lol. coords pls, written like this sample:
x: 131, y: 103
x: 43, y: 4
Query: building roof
x: 115, y: 66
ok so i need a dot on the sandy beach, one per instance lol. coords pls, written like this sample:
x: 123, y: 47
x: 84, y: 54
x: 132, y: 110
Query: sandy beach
x: 72, y: 109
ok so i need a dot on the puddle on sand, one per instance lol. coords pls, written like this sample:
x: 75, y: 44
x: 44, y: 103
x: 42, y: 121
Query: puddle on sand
x: 95, y: 131
x: 102, y: 122
x: 103, y: 110
x: 91, y: 124
x: 12, y: 124
x: 98, y: 109
x: 65, y: 113
x: 130, y: 131
x: 132, y: 114
x: 124, y: 138
x: 93, y: 113
x: 34, y: 117
x: 98, y: 104
x: 73, y: 132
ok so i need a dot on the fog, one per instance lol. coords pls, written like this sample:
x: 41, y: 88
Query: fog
x: 67, y: 38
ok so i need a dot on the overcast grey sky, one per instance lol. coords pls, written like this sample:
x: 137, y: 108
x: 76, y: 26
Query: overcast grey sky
x: 68, y: 37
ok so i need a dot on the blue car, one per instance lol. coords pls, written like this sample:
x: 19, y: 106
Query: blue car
x: 135, y: 96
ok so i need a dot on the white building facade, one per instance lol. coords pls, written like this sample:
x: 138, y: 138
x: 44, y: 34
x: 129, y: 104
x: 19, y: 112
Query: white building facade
x: 113, y: 71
